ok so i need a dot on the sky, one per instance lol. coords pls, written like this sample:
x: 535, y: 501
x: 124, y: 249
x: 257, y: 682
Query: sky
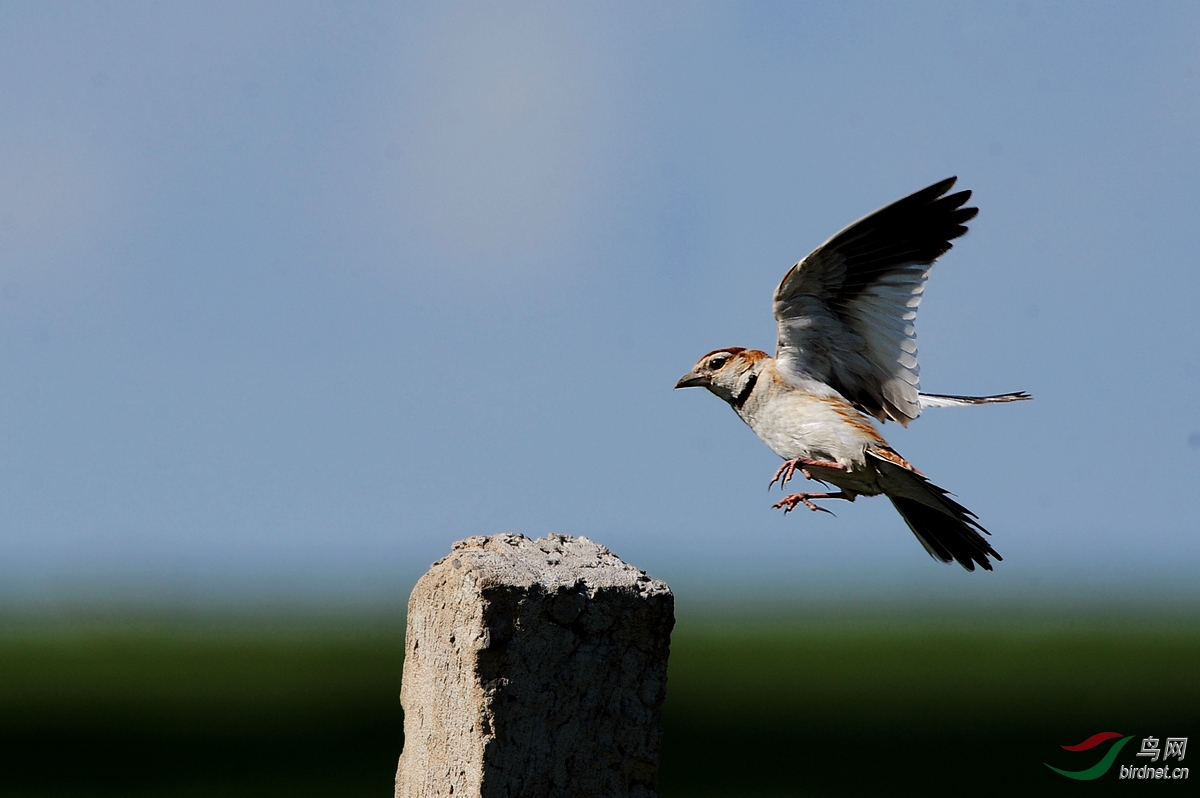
x: 294, y: 295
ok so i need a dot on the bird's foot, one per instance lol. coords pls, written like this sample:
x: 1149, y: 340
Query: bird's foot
x: 789, y: 502
x: 789, y: 469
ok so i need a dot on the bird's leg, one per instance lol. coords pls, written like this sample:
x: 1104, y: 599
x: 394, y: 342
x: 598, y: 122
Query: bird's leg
x: 789, y: 502
x: 789, y: 468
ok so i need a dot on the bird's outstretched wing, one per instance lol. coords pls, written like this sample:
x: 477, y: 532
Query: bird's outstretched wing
x: 846, y: 312
x: 939, y: 400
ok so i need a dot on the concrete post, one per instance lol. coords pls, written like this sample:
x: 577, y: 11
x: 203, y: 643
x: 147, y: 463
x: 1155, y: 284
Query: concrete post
x: 534, y: 669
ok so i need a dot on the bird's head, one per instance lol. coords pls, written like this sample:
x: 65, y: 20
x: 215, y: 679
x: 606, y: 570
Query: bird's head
x: 729, y: 373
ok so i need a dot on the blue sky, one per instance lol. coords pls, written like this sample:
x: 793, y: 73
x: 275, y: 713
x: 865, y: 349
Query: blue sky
x: 299, y: 294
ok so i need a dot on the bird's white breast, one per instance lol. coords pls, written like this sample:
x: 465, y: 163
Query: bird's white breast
x: 798, y: 423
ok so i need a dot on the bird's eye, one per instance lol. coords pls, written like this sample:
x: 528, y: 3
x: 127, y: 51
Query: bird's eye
x: 717, y: 362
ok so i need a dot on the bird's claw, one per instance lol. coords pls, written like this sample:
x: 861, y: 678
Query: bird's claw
x: 789, y: 503
x: 784, y: 474
x: 790, y: 467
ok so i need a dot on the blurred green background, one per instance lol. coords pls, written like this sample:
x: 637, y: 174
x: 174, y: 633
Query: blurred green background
x: 762, y: 700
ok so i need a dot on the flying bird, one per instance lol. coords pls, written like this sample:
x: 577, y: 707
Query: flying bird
x: 846, y: 354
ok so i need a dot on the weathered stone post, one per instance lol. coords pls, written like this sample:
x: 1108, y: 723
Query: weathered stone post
x: 534, y: 669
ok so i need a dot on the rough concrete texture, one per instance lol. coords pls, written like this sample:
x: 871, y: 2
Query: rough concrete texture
x: 534, y: 668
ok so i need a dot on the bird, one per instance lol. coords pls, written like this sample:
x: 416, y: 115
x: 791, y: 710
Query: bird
x: 845, y: 358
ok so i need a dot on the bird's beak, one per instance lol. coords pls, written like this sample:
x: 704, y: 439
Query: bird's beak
x: 691, y: 380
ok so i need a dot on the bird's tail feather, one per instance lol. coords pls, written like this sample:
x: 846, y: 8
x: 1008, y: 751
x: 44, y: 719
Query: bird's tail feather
x: 945, y: 536
x: 941, y: 400
x: 947, y: 530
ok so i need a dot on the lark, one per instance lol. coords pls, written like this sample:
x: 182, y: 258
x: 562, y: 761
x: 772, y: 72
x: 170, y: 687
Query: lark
x: 846, y: 357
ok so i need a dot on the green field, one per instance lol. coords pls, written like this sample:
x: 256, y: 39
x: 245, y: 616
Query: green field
x: 868, y: 702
